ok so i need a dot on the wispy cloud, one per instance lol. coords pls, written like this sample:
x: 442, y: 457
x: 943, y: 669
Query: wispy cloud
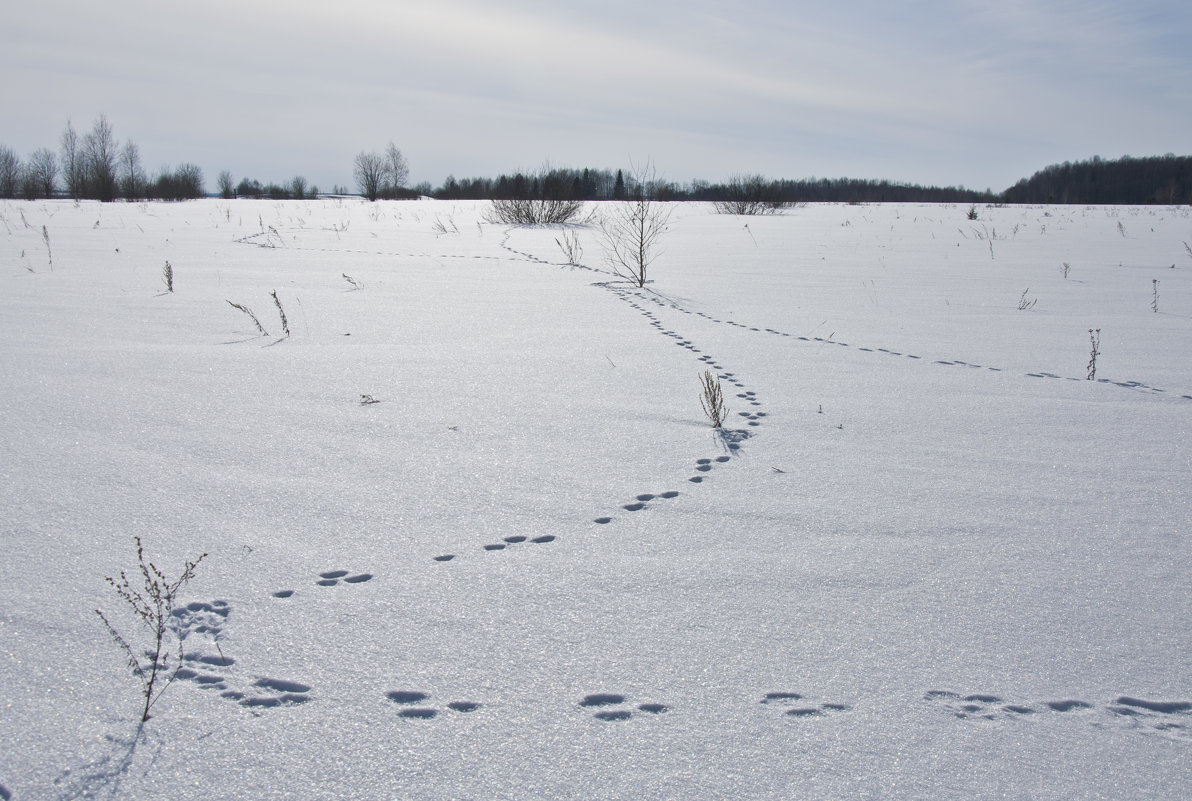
x: 946, y: 92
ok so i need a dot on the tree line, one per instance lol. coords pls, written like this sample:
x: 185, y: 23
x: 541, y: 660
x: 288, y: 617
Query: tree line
x: 1151, y: 180
x: 95, y: 165
x: 596, y: 184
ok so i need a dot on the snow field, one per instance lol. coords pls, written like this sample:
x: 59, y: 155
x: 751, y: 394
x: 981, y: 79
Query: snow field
x: 937, y: 562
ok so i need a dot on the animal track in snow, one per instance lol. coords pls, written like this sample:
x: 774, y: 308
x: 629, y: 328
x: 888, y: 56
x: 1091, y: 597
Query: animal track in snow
x: 640, y: 502
x: 796, y: 705
x: 516, y: 539
x: 1171, y: 719
x: 198, y: 617
x: 267, y: 693
x: 1165, y: 718
x: 217, y: 671
x: 1135, y: 385
x: 330, y: 578
x: 612, y: 707
x: 408, y: 700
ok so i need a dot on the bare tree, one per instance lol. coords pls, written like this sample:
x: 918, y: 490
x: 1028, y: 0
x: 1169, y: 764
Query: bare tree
x: 10, y: 172
x: 298, y: 187
x: 100, y: 156
x: 41, y: 172
x: 632, y: 229
x: 72, y: 162
x: 132, y: 176
x: 227, y: 189
x: 397, y: 171
x: 370, y: 170
x: 190, y: 180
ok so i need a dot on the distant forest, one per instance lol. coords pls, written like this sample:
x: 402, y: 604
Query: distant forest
x: 1133, y: 181
x: 95, y: 165
x: 1157, y: 179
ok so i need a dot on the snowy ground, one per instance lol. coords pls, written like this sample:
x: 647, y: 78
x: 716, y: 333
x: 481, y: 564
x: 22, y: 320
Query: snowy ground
x: 929, y: 559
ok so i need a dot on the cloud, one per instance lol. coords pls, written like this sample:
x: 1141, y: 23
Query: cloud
x: 963, y: 91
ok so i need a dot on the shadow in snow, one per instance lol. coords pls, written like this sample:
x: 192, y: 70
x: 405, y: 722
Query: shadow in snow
x: 102, y: 776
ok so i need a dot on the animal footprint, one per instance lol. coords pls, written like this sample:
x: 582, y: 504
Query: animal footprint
x: 332, y: 577
x: 797, y: 708
x: 984, y: 706
x: 602, y: 700
x: 200, y: 618
x: 267, y: 693
x: 1168, y: 718
x: 969, y: 706
x: 516, y: 539
x: 407, y: 700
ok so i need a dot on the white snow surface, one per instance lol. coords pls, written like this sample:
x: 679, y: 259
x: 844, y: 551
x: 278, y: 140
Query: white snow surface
x: 927, y: 559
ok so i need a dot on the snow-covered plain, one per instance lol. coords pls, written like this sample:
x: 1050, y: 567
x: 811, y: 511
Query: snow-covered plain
x: 928, y: 559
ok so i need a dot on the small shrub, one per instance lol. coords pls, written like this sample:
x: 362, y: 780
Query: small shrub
x: 531, y: 211
x: 1065, y: 268
x: 167, y: 275
x: 153, y: 605
x: 972, y: 213
x: 750, y: 195
x: 712, y: 399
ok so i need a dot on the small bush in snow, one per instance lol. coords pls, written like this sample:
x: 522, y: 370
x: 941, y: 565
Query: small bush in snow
x: 531, y: 211
x: 750, y: 194
x: 154, y: 663
x: 712, y: 399
x: 167, y: 275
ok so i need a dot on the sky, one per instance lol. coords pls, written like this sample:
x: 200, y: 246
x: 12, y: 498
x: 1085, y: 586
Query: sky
x: 962, y: 92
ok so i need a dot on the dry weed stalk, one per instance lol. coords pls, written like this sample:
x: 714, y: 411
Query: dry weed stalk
x: 712, y: 399
x: 153, y: 605
x: 251, y: 316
